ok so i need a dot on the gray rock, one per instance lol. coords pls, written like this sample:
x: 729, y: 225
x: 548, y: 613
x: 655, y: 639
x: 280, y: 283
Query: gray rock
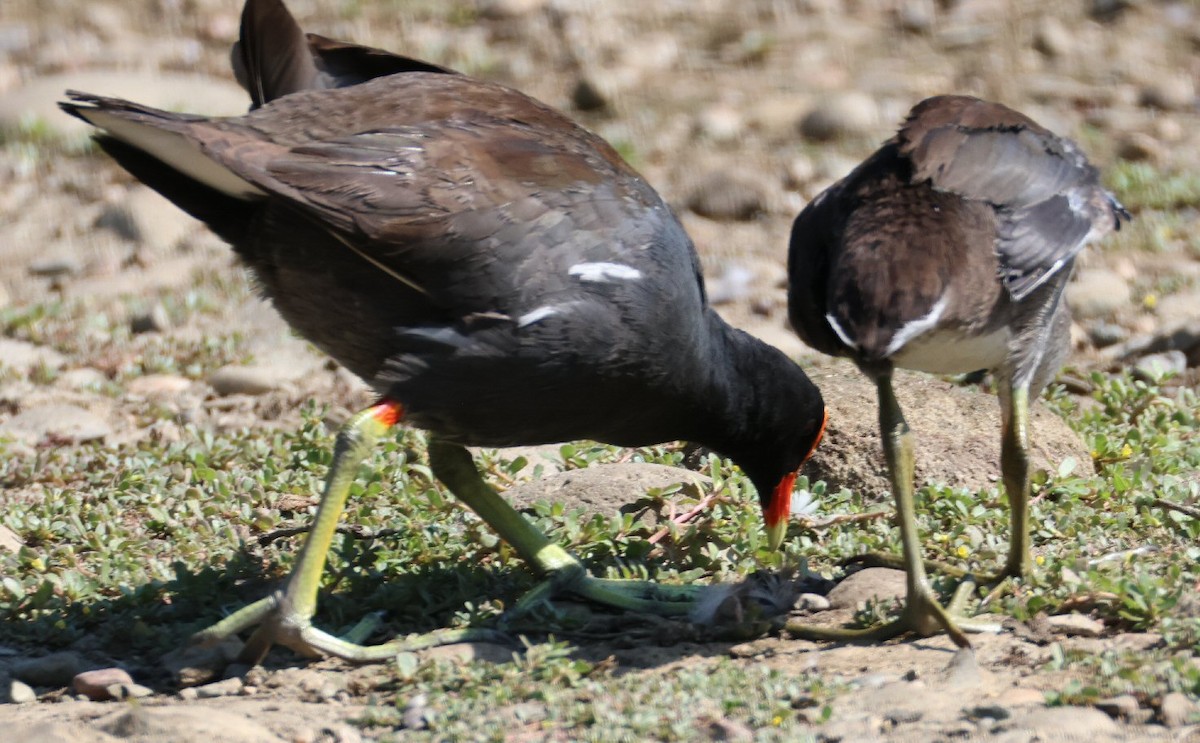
x: 723, y: 728
x: 180, y: 724
x: 153, y: 321
x: 917, y: 16
x: 83, y: 378
x: 878, y: 584
x: 20, y: 693
x: 466, y: 652
x: 1139, y: 146
x: 812, y: 602
x: 1104, y: 334
x: 236, y: 379
x: 1155, y: 367
x: 146, y: 218
x: 69, y: 423
x: 1075, y: 625
x: 1120, y: 707
x: 1179, y: 308
x: 1177, y: 92
x: 158, y: 385
x: 54, y: 267
x: 129, y: 691
x: 54, y: 670
x: 726, y: 196
x: 609, y: 489
x: 58, y: 732
x: 1052, y: 38
x: 225, y: 688
x: 721, y: 123
x: 1176, y: 710
x: 849, y: 114
x: 22, y: 357
x: 9, y: 541
x: 1097, y: 292
x: 1063, y: 723
x: 195, y: 664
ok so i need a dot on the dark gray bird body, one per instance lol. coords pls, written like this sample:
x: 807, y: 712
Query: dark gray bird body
x: 497, y: 273
x: 468, y: 251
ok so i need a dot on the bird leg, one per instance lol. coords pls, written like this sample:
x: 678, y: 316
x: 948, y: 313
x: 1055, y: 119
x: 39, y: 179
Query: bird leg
x: 922, y: 613
x: 452, y: 465
x: 285, y: 617
x: 1014, y: 468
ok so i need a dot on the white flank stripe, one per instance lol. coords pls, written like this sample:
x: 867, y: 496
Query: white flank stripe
x: 837, y: 328
x: 912, y: 329
x: 604, y: 272
x: 541, y: 313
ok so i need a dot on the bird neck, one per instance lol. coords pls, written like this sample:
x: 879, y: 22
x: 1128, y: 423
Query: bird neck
x: 760, y: 409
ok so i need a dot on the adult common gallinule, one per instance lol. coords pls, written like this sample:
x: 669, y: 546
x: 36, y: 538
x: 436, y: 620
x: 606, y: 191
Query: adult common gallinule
x: 947, y: 251
x: 498, y: 274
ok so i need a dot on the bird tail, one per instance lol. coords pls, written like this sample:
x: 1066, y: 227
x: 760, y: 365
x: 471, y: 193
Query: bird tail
x: 158, y: 148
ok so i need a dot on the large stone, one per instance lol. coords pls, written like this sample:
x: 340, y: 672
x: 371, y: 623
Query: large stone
x: 609, y: 489
x: 956, y: 429
x: 871, y: 584
x: 60, y: 422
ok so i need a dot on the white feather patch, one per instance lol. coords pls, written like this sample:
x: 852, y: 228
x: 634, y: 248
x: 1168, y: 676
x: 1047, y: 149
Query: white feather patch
x: 174, y: 150
x: 604, y: 272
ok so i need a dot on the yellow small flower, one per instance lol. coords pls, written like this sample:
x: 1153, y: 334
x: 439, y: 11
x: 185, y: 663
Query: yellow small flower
x: 1127, y: 451
x: 1040, y: 560
x: 1150, y: 301
x: 963, y: 550
x: 777, y: 720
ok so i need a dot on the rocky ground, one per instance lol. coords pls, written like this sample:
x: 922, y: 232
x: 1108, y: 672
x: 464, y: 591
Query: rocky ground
x: 739, y: 113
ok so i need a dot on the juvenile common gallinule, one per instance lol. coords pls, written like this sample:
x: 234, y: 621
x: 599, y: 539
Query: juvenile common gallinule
x: 947, y: 251
x: 498, y: 274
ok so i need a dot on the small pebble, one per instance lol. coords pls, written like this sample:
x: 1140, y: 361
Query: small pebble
x: 812, y: 602
x: 1120, y: 707
x: 154, y: 321
x: 1155, y: 367
x: 841, y: 115
x: 20, y: 693
x: 245, y: 380
x: 224, y: 688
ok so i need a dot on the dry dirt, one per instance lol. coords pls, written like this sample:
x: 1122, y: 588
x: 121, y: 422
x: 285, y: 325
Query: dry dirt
x: 707, y: 98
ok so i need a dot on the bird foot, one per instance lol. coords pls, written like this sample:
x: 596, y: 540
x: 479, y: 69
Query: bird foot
x: 278, y: 624
x: 896, y: 562
x: 922, y: 615
x: 566, y: 575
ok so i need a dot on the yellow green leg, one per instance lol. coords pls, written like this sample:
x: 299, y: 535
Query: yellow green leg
x: 452, y: 464
x: 922, y: 613
x: 1014, y: 468
x: 285, y: 617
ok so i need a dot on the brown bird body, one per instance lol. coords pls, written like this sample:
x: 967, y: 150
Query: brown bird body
x: 948, y: 251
